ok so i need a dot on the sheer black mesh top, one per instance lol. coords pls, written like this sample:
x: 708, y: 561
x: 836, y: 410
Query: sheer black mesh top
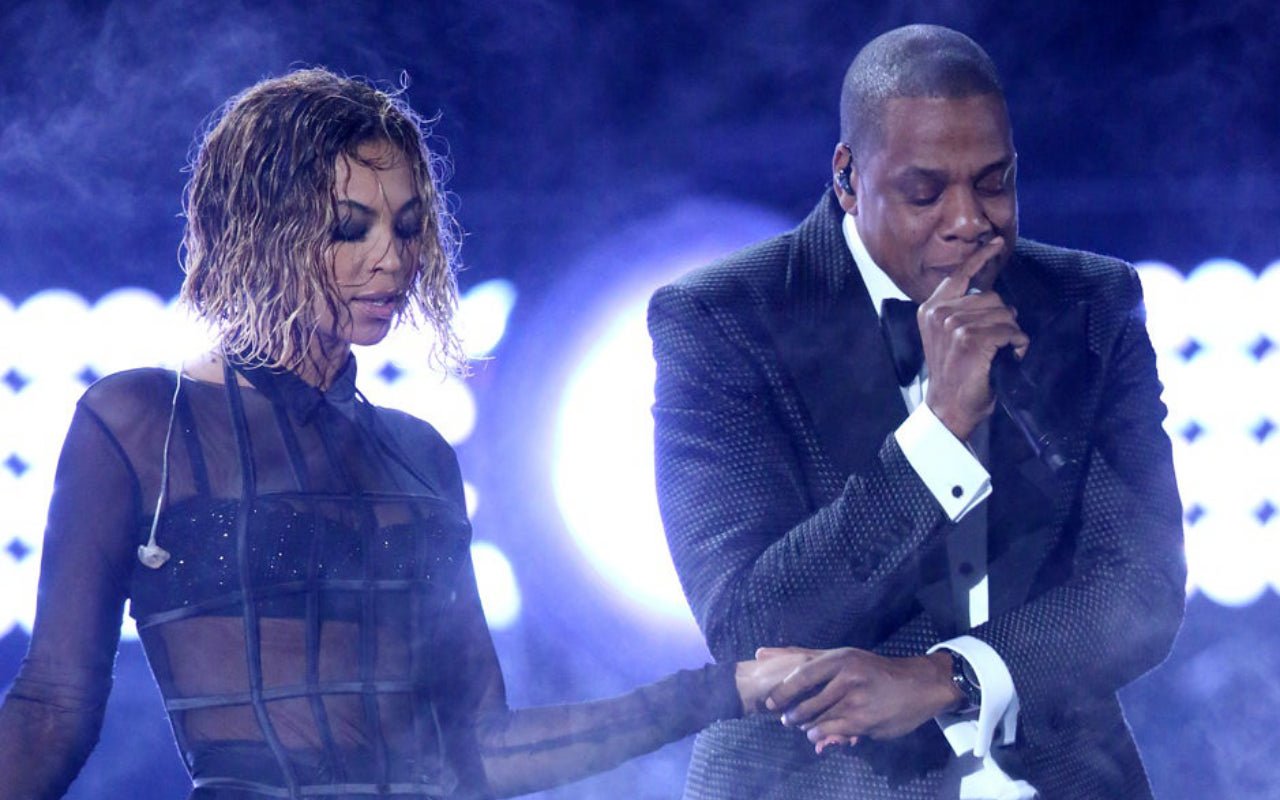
x: 316, y: 630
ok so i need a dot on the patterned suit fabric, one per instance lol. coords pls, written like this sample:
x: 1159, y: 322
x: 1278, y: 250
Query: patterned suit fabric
x: 794, y: 518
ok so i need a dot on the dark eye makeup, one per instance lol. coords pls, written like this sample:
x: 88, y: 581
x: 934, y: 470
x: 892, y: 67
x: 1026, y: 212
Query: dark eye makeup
x: 355, y: 220
x: 409, y: 220
x: 350, y: 230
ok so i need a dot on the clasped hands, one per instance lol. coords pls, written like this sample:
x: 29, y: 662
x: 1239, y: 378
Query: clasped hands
x: 838, y: 696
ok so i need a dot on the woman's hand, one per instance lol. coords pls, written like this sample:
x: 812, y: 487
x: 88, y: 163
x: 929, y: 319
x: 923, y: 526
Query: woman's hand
x: 756, y: 679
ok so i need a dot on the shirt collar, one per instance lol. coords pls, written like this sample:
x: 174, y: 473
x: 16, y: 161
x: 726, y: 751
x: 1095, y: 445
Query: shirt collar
x: 879, y: 285
x: 299, y: 397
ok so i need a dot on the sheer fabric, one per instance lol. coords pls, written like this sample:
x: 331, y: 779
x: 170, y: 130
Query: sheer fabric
x: 316, y: 630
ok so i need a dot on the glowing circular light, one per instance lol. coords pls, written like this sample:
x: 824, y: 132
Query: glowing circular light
x: 1163, y: 296
x: 185, y: 334
x: 1269, y: 469
x: 11, y: 596
x: 407, y: 346
x: 482, y: 316
x: 1225, y: 313
x: 471, y: 497
x: 443, y: 401
x: 20, y: 547
x: 45, y: 407
x: 129, y: 324
x: 496, y: 581
x: 1226, y: 558
x: 1182, y: 395
x: 51, y: 331
x: 603, y: 464
x: 395, y: 372
x: 1231, y: 473
x: 7, y: 313
x: 18, y: 584
x: 1267, y: 294
x: 1224, y: 390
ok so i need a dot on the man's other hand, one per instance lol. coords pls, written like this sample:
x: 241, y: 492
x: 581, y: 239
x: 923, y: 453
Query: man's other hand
x: 836, y: 696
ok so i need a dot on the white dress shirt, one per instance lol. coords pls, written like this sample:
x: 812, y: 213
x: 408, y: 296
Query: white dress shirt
x: 955, y: 476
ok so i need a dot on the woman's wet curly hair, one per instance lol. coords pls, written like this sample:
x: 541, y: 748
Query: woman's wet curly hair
x: 261, y: 208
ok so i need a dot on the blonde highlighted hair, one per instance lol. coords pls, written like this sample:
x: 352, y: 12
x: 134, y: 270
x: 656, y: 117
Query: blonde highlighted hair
x: 261, y: 208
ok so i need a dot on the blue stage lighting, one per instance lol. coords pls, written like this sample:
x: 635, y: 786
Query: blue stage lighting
x: 603, y: 463
x: 601, y: 457
x: 482, y: 316
x: 57, y: 344
x: 499, y: 591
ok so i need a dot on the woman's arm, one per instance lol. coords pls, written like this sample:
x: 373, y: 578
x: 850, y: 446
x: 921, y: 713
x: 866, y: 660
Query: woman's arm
x: 527, y: 750
x: 53, y: 712
x: 512, y: 752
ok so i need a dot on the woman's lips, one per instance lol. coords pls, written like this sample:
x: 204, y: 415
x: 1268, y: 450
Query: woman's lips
x: 381, y: 306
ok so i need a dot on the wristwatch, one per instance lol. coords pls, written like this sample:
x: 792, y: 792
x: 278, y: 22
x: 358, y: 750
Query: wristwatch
x: 966, y: 681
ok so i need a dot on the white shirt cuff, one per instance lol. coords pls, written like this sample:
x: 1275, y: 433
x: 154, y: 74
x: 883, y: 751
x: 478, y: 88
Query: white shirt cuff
x: 1000, y: 705
x: 946, y: 465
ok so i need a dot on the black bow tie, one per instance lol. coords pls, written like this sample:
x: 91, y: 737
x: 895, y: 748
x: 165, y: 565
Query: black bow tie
x: 902, y: 334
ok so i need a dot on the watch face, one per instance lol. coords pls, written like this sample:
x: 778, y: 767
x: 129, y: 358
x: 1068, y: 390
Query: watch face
x: 965, y: 680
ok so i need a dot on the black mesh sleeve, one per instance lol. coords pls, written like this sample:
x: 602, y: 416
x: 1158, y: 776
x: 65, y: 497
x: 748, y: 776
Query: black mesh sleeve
x: 53, y: 712
x: 526, y: 750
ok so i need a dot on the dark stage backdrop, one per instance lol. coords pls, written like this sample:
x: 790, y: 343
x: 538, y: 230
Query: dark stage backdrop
x: 598, y: 148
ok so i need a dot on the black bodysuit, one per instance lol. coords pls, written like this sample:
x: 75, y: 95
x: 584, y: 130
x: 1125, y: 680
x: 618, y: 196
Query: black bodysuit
x: 316, y: 630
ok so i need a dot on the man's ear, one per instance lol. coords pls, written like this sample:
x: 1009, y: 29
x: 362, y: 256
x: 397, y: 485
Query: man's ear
x: 842, y: 178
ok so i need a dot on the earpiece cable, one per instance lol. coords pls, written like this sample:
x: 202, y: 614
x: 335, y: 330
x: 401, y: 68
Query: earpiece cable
x: 151, y: 554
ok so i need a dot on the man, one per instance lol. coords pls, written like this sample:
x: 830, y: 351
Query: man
x: 820, y: 490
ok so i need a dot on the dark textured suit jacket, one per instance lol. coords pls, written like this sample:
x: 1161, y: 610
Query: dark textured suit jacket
x: 794, y: 518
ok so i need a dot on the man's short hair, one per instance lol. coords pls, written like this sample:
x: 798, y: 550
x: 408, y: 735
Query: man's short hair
x: 912, y: 61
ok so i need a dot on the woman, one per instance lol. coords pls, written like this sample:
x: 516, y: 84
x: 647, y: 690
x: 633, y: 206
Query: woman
x: 296, y: 559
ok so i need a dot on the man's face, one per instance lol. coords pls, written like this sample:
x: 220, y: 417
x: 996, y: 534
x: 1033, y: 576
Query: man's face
x: 939, y: 186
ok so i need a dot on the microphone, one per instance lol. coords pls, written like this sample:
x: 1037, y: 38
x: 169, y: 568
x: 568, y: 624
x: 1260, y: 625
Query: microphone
x: 1017, y: 394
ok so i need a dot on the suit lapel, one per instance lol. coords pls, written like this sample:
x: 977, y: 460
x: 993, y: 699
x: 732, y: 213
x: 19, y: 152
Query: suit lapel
x: 1027, y: 505
x: 828, y: 339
